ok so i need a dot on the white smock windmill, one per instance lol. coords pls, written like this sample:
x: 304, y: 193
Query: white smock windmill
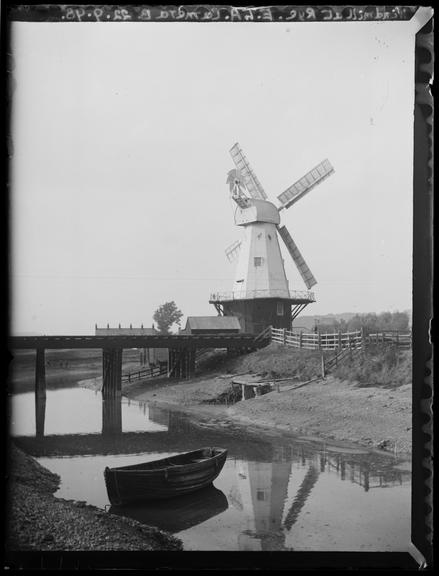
x: 261, y: 294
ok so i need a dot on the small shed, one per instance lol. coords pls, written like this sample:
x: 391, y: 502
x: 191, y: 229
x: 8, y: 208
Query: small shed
x: 212, y: 324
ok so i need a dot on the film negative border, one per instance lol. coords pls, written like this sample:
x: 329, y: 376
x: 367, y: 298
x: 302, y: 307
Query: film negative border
x: 422, y: 470
x: 422, y: 496
x: 206, y: 13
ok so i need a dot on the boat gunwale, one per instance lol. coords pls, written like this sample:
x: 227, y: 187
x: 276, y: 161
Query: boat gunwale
x: 169, y: 466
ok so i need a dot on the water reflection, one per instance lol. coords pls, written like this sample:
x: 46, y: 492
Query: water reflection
x: 180, y: 513
x: 111, y: 416
x: 40, y: 415
x: 273, y: 494
x: 263, y: 488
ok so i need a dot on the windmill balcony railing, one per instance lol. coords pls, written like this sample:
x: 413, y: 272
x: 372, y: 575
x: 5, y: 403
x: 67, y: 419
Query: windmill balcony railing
x: 302, y: 295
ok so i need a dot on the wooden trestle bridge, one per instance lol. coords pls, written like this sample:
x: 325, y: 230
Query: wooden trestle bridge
x: 182, y: 351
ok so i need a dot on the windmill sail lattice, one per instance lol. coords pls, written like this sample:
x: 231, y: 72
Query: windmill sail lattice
x: 251, y: 182
x: 302, y: 266
x: 305, y: 184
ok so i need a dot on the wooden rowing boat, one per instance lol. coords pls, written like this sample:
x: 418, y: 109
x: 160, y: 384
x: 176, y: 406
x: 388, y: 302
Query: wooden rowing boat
x: 164, y: 478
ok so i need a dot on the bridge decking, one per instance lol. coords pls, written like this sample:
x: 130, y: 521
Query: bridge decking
x: 176, y: 341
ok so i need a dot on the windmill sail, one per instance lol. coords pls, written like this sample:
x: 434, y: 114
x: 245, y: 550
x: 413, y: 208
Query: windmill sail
x: 305, y: 272
x: 305, y: 184
x: 233, y: 250
x: 251, y: 182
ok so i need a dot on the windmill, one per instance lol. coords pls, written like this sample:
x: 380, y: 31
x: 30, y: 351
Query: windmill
x: 261, y: 294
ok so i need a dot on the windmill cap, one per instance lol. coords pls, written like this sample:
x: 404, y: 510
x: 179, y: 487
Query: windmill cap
x: 258, y: 211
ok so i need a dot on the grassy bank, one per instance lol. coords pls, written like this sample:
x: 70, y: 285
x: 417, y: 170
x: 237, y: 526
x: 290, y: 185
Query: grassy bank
x: 380, y: 366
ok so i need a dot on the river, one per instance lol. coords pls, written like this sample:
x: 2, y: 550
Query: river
x: 274, y: 493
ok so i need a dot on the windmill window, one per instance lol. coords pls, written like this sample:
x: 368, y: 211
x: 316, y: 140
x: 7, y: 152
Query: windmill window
x: 258, y: 260
x: 280, y: 309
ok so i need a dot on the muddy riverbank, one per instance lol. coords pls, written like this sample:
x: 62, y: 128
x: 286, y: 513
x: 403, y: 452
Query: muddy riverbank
x: 331, y: 409
x: 37, y: 520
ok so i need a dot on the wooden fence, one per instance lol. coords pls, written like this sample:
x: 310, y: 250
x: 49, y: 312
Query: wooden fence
x: 339, y: 340
x: 146, y: 373
x: 318, y: 341
x: 402, y: 339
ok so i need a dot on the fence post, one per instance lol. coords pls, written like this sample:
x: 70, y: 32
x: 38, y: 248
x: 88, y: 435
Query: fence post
x: 300, y: 339
x: 323, y: 365
x: 362, y: 338
x: 339, y: 339
x: 397, y: 338
x: 284, y: 336
x: 319, y: 340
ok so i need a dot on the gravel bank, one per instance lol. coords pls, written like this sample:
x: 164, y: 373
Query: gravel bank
x: 37, y: 520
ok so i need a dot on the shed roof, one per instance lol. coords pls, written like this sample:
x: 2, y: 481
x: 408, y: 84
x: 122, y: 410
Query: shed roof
x: 213, y: 323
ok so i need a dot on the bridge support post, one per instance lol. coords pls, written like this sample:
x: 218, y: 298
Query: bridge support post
x: 191, y: 363
x: 40, y: 373
x: 111, y: 371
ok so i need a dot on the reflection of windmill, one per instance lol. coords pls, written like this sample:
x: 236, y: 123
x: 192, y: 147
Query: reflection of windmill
x: 263, y: 494
x: 301, y: 496
x: 261, y: 295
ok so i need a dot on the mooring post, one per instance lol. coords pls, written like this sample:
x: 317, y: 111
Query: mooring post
x: 40, y: 373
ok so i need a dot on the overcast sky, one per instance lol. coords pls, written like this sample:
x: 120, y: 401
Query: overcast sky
x: 121, y: 139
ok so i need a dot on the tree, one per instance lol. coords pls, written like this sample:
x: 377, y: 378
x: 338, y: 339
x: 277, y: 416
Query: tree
x: 167, y: 315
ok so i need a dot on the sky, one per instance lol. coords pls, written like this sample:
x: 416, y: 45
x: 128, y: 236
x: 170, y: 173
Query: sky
x: 121, y: 136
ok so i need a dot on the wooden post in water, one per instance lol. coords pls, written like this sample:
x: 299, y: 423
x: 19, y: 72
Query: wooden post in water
x: 40, y: 373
